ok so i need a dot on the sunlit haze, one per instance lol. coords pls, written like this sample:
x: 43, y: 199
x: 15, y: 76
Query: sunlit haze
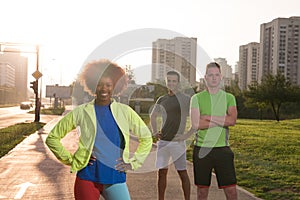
x: 68, y: 31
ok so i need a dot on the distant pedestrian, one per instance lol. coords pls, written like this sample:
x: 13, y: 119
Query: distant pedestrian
x: 174, y: 109
x: 212, y: 112
x: 103, y: 156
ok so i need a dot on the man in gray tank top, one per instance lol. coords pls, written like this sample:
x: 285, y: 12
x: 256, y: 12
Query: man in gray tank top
x: 174, y: 110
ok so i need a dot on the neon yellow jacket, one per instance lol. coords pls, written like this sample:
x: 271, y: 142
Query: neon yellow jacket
x: 83, y: 118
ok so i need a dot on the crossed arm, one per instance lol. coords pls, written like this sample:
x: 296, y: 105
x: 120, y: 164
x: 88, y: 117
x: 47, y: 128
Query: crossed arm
x: 199, y: 122
x: 207, y: 121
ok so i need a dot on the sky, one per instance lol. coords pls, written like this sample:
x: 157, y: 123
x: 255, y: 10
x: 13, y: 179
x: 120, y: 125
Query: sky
x: 70, y: 33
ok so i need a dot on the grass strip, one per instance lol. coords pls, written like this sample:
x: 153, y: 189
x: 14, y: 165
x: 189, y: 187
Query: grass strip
x: 13, y: 135
x: 267, y: 157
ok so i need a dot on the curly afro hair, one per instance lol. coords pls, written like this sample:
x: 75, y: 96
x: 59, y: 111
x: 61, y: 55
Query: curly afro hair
x: 93, y: 71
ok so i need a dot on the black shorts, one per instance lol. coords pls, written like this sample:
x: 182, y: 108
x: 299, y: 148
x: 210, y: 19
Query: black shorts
x: 221, y: 159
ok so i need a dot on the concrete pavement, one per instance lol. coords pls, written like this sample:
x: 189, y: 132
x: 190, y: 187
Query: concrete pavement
x: 30, y: 171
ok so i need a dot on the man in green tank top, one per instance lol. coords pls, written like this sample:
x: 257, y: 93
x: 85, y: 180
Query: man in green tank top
x: 212, y: 112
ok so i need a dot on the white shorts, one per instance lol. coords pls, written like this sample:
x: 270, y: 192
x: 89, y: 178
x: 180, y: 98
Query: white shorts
x: 169, y: 149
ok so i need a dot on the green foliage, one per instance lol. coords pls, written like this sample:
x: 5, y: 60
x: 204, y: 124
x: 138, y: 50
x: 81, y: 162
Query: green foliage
x: 53, y: 111
x: 159, y: 90
x: 145, y: 106
x: 234, y: 89
x: 274, y: 90
x: 267, y: 157
x: 13, y: 135
x: 146, y: 119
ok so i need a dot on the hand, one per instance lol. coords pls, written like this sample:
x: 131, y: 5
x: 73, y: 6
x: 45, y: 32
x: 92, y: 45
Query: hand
x: 121, y: 166
x: 205, y: 117
x: 157, y: 135
x: 92, y: 160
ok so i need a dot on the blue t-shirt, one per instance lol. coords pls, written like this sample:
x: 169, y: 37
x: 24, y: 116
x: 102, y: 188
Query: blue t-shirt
x: 108, y: 147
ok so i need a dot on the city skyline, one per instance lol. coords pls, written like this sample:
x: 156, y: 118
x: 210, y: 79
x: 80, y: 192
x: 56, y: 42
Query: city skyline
x: 69, y: 31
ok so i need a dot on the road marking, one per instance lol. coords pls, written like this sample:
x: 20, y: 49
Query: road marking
x: 22, y: 190
x: 4, y: 172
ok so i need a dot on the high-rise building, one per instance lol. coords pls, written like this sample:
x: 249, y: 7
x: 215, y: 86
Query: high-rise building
x: 279, y: 48
x: 178, y: 54
x: 21, y: 72
x: 7, y: 75
x: 236, y: 73
x: 226, y: 70
x: 248, y: 65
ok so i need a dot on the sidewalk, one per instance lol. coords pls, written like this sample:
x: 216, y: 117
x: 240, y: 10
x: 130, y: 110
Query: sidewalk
x: 30, y: 171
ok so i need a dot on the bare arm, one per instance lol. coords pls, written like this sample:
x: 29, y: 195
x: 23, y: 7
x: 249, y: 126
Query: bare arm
x: 200, y: 122
x: 228, y: 120
x: 197, y: 122
x: 153, y: 117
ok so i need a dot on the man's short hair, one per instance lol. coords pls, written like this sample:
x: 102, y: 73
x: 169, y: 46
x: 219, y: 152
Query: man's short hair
x: 174, y: 73
x: 213, y: 64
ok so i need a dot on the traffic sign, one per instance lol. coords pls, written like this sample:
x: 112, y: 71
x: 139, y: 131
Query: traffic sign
x: 37, y: 74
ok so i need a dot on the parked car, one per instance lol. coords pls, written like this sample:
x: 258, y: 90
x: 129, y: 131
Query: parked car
x: 26, y: 105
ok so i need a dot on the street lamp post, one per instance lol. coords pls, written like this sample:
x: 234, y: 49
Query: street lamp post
x: 37, y: 100
x: 35, y: 74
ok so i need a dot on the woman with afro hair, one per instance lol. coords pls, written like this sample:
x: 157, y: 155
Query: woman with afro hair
x: 104, y: 125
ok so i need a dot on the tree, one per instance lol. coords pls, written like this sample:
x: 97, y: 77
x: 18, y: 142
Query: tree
x: 159, y: 90
x: 130, y: 74
x: 274, y: 90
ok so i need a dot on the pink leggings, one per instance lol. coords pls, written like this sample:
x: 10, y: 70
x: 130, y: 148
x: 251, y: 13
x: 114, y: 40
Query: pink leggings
x: 87, y: 190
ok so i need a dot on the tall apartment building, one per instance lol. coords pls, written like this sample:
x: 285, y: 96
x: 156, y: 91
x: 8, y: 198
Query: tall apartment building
x: 279, y: 48
x: 226, y: 70
x: 179, y: 54
x: 21, y: 72
x: 236, y: 72
x: 248, y: 65
x: 7, y: 75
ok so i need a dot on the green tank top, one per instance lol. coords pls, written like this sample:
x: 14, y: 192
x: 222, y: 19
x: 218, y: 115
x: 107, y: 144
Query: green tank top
x: 215, y: 105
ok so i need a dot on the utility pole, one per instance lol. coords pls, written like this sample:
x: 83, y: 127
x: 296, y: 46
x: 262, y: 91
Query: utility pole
x: 35, y: 87
x: 37, y: 75
x: 37, y: 100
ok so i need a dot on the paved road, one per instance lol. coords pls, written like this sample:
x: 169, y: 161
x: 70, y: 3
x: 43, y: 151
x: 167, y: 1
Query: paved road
x: 30, y: 171
x: 14, y: 118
